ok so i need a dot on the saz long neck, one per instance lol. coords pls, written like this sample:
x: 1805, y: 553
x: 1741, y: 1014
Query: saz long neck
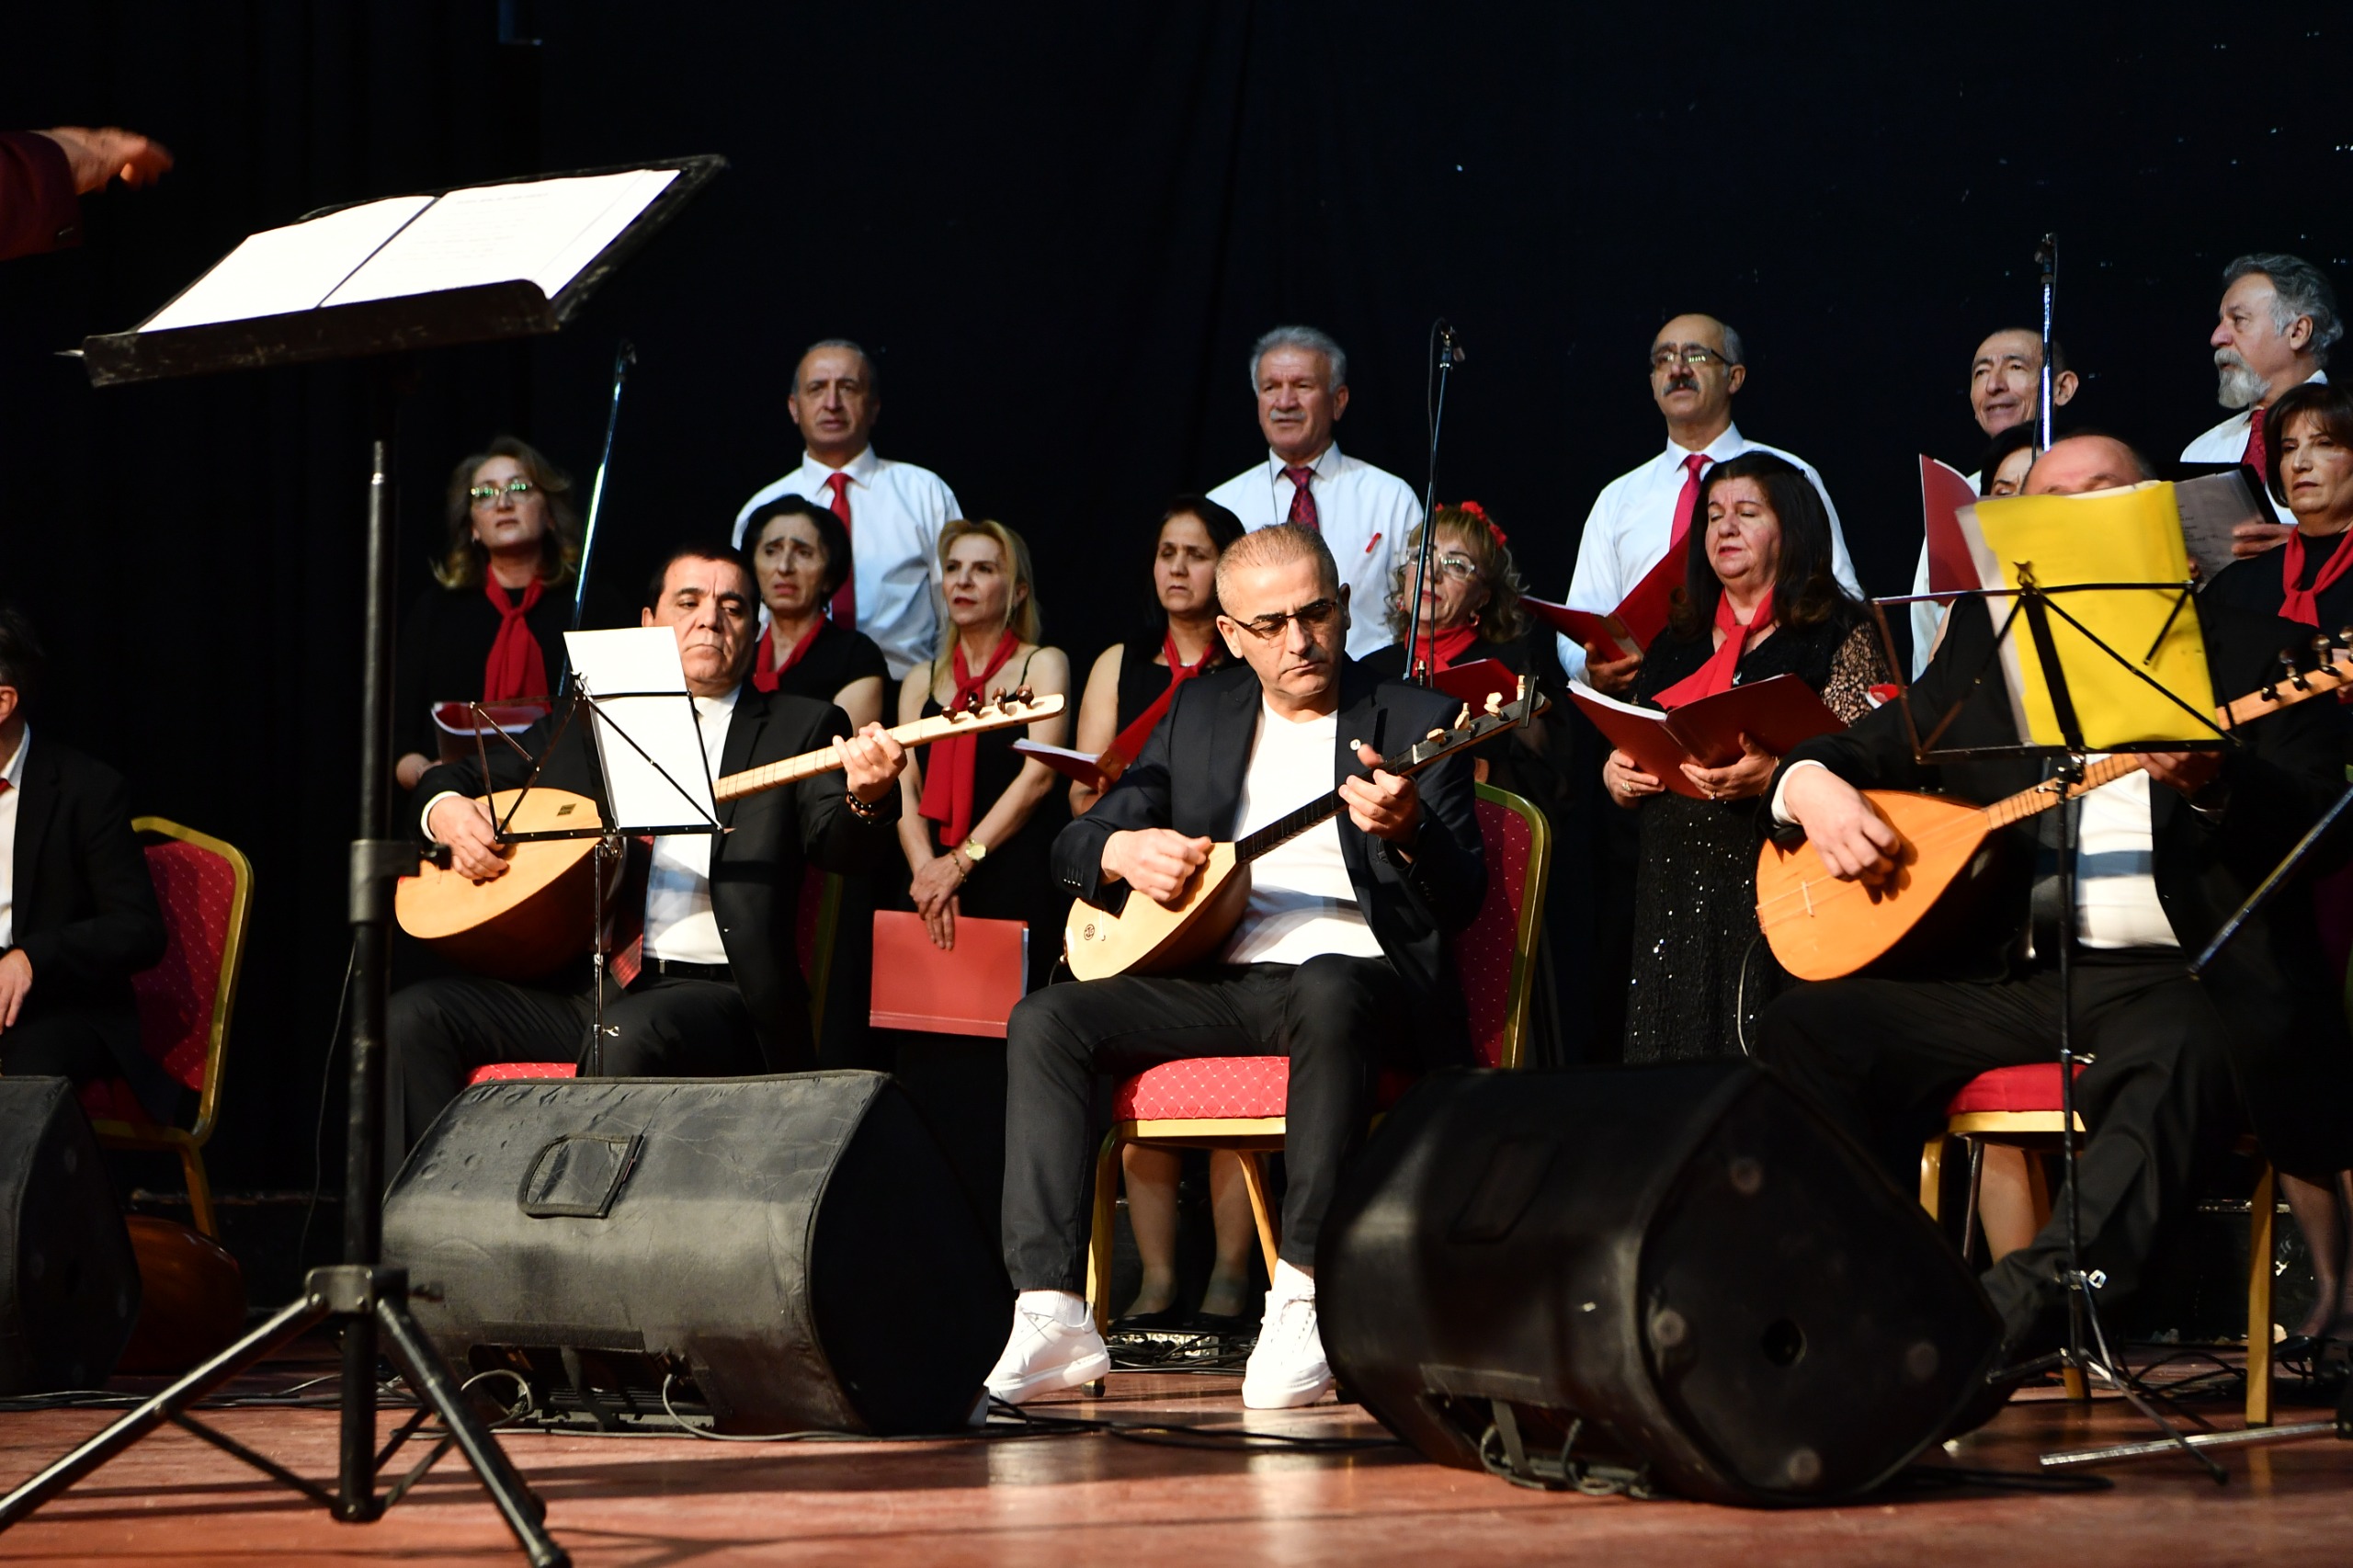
x: 922, y: 731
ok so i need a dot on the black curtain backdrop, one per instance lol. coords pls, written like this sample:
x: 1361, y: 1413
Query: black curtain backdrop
x: 1059, y: 228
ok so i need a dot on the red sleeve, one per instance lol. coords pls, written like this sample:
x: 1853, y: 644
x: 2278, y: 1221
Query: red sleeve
x: 38, y: 210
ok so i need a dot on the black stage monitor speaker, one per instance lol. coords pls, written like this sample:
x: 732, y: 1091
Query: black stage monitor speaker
x: 795, y: 1253
x: 69, y: 1283
x: 1672, y: 1276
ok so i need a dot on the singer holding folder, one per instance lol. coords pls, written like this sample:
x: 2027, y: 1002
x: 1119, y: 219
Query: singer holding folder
x: 1760, y: 599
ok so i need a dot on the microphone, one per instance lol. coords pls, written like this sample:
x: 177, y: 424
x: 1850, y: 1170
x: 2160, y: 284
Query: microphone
x: 1450, y: 344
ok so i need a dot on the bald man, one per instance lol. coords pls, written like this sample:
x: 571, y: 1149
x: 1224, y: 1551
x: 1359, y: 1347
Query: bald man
x: 2163, y: 856
x: 1697, y: 365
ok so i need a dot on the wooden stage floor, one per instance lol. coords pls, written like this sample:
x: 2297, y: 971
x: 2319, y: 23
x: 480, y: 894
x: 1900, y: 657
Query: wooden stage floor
x: 657, y: 1502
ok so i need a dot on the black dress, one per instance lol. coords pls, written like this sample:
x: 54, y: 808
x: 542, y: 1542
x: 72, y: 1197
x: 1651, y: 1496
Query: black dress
x: 833, y: 660
x: 444, y: 643
x: 1695, y: 892
x: 1142, y: 681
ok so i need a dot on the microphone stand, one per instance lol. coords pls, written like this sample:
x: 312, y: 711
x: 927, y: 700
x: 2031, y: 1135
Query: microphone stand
x: 2047, y: 256
x: 624, y: 358
x: 1449, y: 354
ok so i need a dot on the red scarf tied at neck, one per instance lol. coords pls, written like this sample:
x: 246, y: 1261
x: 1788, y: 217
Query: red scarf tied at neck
x: 948, y: 772
x: 2303, y: 604
x: 1130, y: 744
x: 1717, y: 674
x: 1444, y: 650
x: 764, y: 675
x: 515, y: 666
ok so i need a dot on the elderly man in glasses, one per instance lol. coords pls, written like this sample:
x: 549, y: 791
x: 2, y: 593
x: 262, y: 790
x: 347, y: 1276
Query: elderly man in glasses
x: 1336, y: 961
x: 1696, y: 366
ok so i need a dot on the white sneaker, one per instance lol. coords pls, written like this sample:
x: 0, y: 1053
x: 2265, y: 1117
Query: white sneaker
x: 1287, y: 1369
x: 1054, y: 1346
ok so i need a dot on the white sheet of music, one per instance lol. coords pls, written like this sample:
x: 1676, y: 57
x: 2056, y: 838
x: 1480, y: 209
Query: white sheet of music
x: 543, y: 231
x: 282, y: 270
x: 657, y: 714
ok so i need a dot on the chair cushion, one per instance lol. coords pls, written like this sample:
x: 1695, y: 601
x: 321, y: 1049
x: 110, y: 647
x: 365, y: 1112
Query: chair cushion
x: 195, y: 888
x: 1203, y: 1088
x: 1483, y: 950
x: 2034, y: 1086
x: 110, y: 1099
x: 508, y: 1071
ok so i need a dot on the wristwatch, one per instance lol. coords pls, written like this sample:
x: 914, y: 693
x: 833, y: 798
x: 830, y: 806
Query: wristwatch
x: 975, y: 850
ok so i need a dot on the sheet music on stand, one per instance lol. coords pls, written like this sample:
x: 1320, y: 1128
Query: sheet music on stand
x: 657, y: 776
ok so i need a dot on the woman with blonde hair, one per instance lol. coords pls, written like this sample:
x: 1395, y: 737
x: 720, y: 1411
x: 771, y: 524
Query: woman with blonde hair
x: 981, y: 818
x: 493, y: 632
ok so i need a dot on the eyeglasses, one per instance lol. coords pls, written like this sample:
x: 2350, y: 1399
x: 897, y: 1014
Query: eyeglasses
x: 1694, y: 354
x: 1461, y: 568
x: 488, y: 494
x: 1314, y: 615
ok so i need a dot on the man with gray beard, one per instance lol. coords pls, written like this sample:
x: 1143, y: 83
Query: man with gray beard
x: 2278, y: 318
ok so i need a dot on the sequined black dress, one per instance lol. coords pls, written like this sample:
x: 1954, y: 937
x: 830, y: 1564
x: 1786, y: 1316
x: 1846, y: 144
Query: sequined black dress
x: 1695, y: 896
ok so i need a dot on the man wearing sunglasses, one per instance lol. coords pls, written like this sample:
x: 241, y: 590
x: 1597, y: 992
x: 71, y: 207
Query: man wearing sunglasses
x: 1696, y: 366
x: 1337, y: 963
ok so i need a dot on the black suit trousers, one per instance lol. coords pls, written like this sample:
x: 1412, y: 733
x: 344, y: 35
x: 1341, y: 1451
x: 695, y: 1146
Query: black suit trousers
x: 1883, y: 1057
x: 438, y: 1031
x: 1338, y: 1019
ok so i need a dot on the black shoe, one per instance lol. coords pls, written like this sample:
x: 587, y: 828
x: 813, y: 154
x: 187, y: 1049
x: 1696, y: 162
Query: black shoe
x: 1221, y: 1323
x: 1168, y: 1320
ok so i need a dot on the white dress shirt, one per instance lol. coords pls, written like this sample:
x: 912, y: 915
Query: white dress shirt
x: 679, y: 924
x: 1632, y: 521
x: 896, y: 511
x: 2226, y: 443
x: 1365, y: 515
x: 1301, y: 900
x: 2116, y: 885
x: 14, y: 773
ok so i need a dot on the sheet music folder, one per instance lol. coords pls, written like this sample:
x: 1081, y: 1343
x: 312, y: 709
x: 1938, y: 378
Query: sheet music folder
x: 470, y: 264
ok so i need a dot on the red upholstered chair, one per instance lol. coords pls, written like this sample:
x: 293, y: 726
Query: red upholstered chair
x: 206, y: 889
x: 814, y: 922
x: 1237, y: 1102
x: 2019, y: 1107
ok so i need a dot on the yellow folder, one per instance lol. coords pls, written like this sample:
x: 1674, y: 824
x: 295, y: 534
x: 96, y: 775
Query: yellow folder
x: 2110, y: 535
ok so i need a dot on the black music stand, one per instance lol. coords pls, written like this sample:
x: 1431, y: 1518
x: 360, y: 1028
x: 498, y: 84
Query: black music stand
x: 361, y: 1295
x: 2086, y: 1352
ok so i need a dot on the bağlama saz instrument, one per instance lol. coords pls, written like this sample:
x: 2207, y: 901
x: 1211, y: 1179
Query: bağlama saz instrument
x: 1820, y: 927
x: 1147, y: 937
x: 541, y: 912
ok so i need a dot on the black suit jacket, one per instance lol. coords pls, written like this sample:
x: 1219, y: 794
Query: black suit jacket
x: 2271, y: 986
x: 756, y: 866
x: 1190, y: 776
x: 85, y: 912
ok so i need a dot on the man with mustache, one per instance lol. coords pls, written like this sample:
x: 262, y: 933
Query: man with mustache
x: 2005, y: 392
x: 2273, y: 331
x: 893, y: 510
x: 1697, y: 364
x: 1300, y: 377
x: 703, y: 980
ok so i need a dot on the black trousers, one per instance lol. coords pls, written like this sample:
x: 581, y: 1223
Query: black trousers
x: 1883, y: 1057
x: 438, y: 1031
x: 1338, y: 1019
x: 57, y: 1042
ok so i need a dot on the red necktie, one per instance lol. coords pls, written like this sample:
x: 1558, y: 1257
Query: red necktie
x: 625, y: 914
x: 1302, y: 502
x: 844, y: 607
x: 5, y: 786
x: 2254, y: 453
x: 1717, y: 674
x: 517, y: 667
x: 1688, y: 502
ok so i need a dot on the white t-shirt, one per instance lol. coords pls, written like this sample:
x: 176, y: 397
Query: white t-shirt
x: 1301, y: 901
x: 679, y: 924
x: 13, y: 773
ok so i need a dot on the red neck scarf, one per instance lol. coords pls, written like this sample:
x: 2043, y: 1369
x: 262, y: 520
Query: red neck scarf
x: 1443, y: 652
x: 764, y: 674
x: 2303, y: 604
x: 948, y: 773
x: 515, y: 666
x: 1130, y: 744
x: 1716, y: 675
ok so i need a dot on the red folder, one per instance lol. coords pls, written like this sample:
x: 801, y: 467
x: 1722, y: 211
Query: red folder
x: 1082, y: 767
x: 968, y: 989
x: 1777, y: 713
x: 1943, y: 493
x: 1640, y: 616
x: 1474, y: 682
x: 455, y: 726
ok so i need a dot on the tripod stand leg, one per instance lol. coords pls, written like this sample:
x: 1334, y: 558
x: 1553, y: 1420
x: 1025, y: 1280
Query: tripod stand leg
x: 522, y: 1509
x: 135, y: 1424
